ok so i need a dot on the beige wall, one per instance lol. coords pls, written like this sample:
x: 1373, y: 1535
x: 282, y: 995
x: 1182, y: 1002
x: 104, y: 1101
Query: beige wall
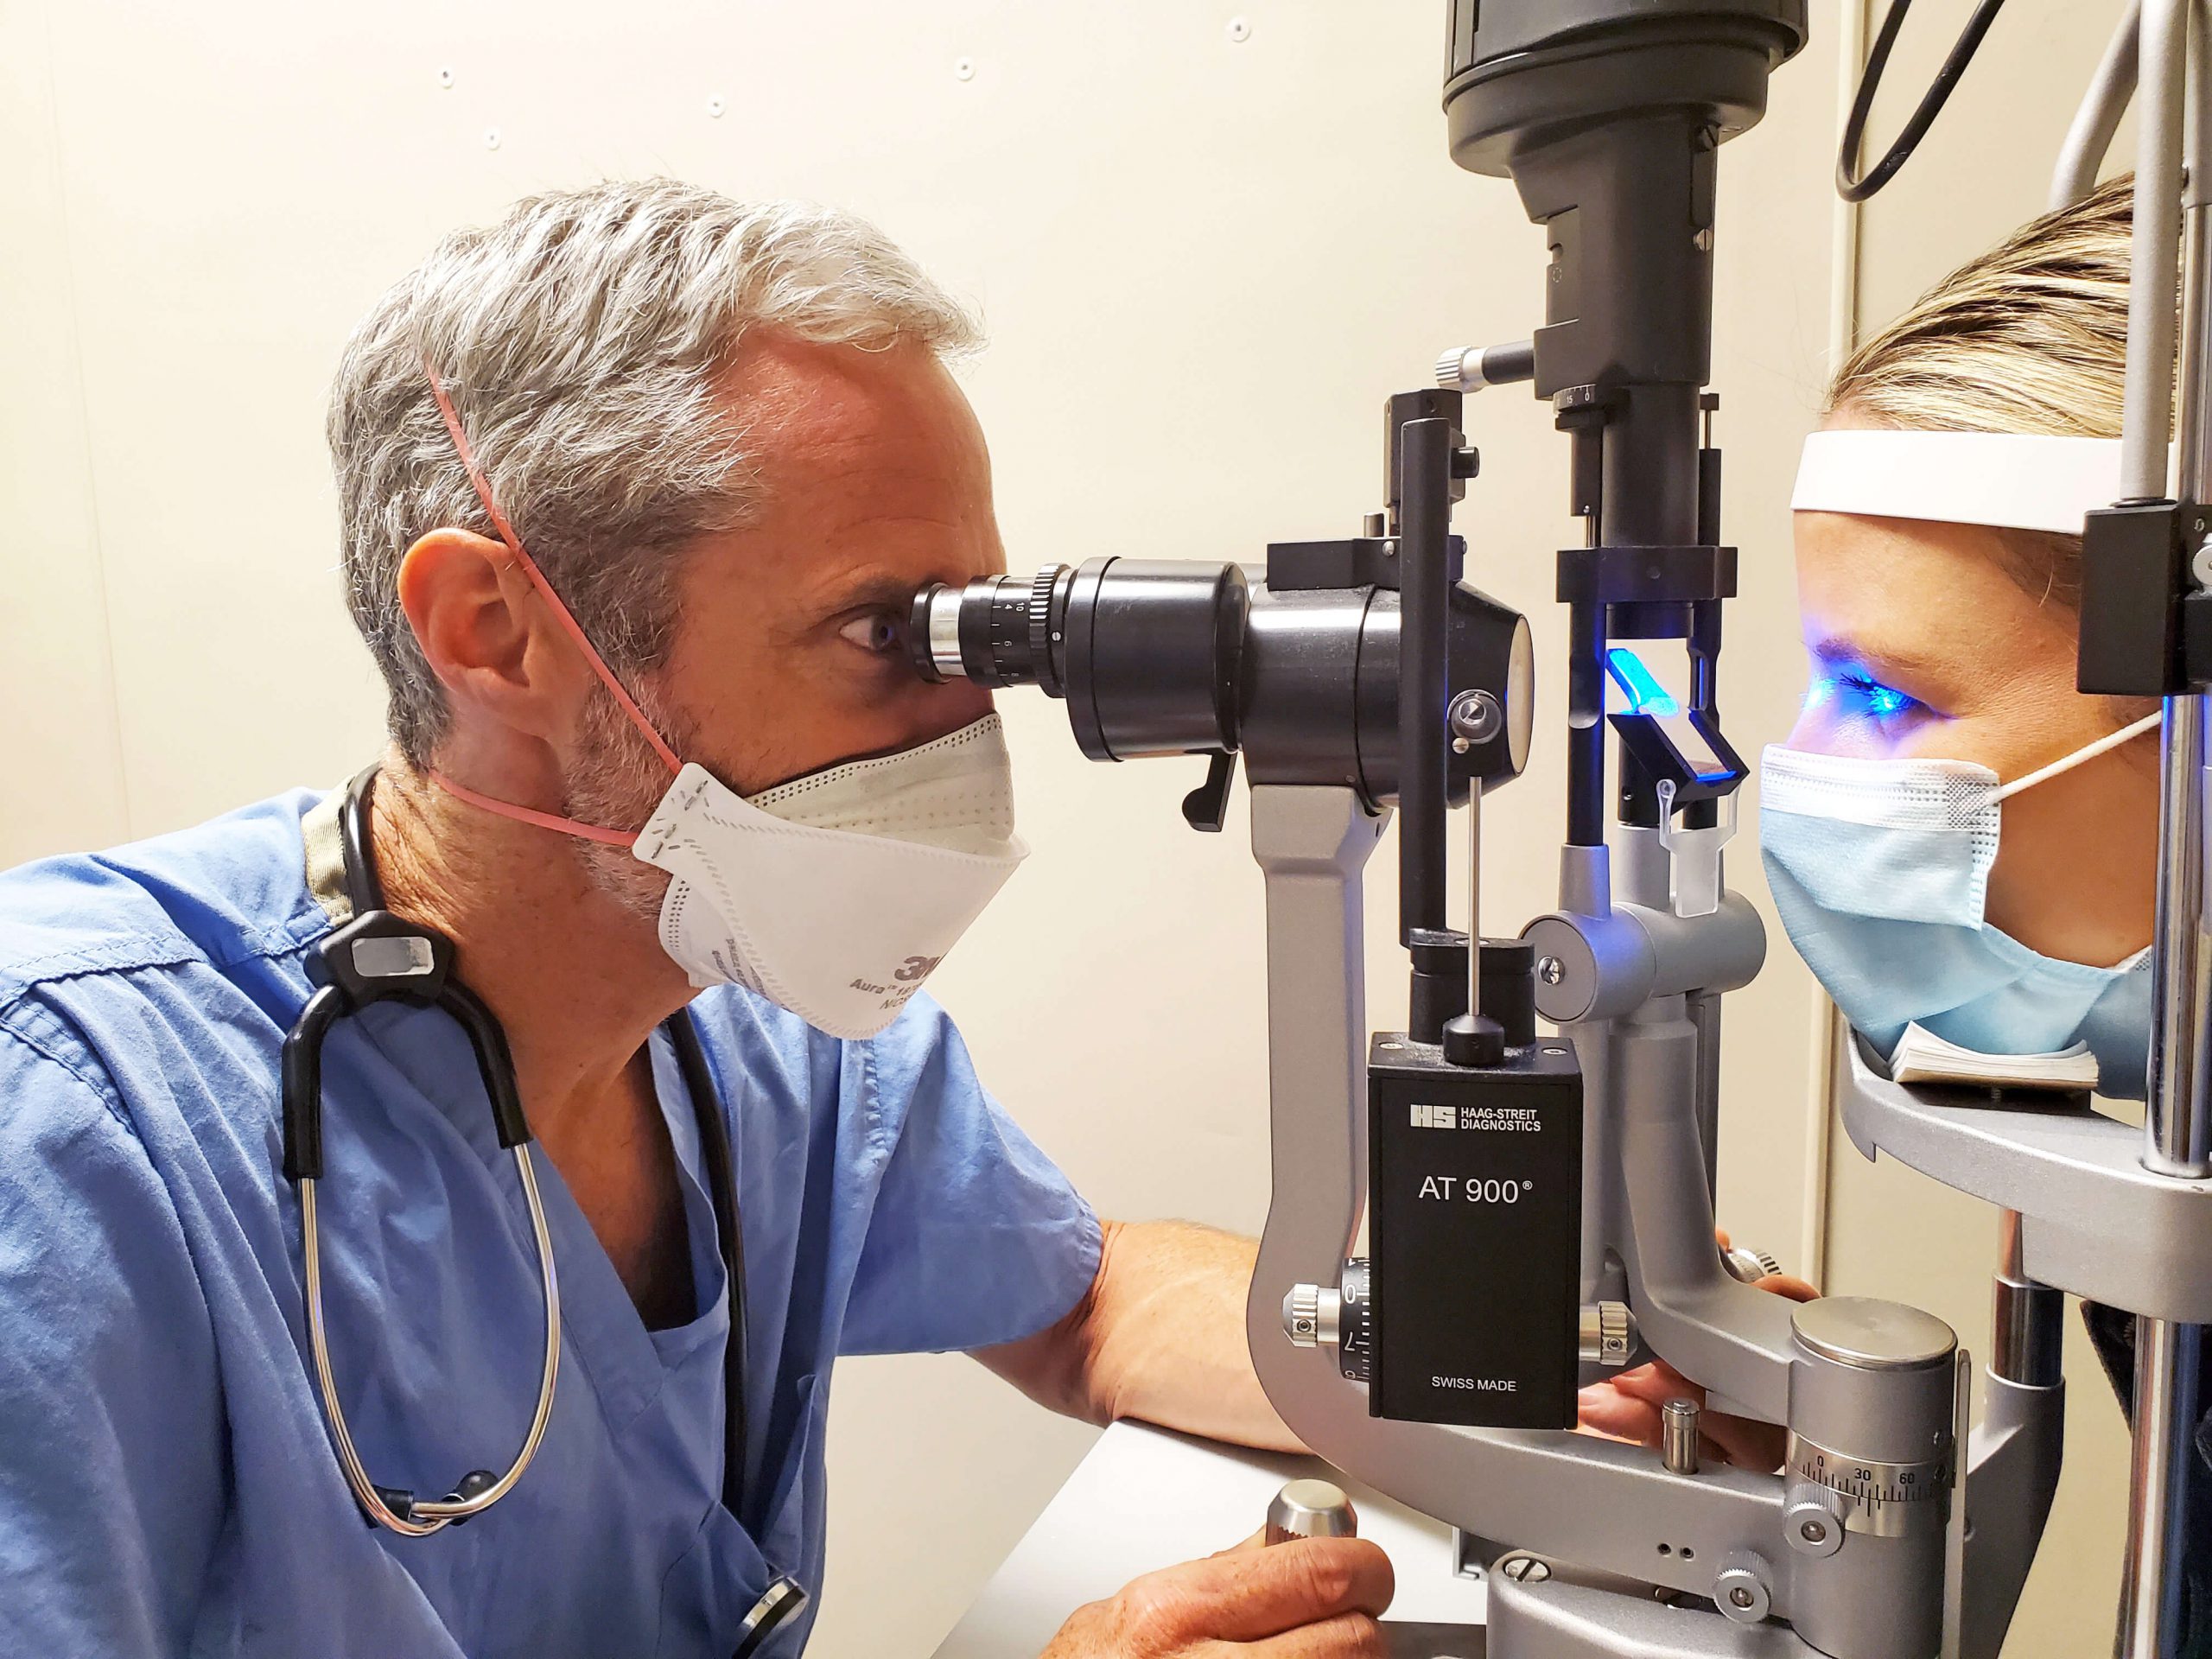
x: 1205, y: 262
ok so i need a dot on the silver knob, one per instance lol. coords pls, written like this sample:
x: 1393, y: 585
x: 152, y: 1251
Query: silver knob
x: 1741, y: 1589
x: 1751, y: 1266
x: 1678, y: 1421
x: 1313, y: 1315
x: 1608, y: 1333
x: 1311, y: 1509
x: 1809, y: 1524
x: 1453, y: 368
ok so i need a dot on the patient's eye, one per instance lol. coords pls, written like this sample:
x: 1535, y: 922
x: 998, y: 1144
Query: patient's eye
x: 1859, y: 695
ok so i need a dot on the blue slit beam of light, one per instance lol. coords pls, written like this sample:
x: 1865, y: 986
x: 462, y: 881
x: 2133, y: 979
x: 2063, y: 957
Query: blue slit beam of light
x: 1644, y: 693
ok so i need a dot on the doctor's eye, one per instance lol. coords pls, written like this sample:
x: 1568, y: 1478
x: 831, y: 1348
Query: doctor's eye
x: 878, y: 632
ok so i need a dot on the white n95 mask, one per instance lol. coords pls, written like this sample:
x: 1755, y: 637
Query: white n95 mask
x: 1880, y: 870
x: 833, y: 895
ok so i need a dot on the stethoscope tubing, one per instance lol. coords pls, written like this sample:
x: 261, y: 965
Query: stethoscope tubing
x: 785, y: 1598
x: 425, y: 1516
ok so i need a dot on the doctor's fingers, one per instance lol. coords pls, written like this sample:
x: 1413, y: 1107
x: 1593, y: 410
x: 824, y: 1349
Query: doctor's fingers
x: 1250, y: 1595
x: 1349, y: 1636
x: 1788, y: 1284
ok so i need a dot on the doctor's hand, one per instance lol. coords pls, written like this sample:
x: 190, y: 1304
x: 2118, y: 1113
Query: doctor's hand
x: 1627, y: 1407
x: 1310, y: 1599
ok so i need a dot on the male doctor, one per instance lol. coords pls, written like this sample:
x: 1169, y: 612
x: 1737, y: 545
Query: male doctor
x: 635, y: 487
x: 714, y: 447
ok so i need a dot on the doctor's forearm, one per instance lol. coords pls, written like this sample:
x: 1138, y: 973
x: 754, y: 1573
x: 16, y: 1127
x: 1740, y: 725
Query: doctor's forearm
x: 1166, y: 1334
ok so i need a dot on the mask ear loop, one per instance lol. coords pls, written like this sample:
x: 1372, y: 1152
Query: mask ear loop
x: 2089, y: 752
x: 568, y: 623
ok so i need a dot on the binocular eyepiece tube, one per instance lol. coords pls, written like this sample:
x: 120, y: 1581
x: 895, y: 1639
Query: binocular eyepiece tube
x: 1146, y: 653
x: 1295, y: 668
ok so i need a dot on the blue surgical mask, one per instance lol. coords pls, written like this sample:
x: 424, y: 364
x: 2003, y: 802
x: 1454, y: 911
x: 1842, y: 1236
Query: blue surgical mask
x: 1880, y: 870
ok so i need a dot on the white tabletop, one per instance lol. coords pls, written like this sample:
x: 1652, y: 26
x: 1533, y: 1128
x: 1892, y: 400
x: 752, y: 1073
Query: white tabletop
x: 1144, y: 1498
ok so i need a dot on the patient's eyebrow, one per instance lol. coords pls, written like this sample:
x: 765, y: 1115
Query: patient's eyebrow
x: 1834, y: 649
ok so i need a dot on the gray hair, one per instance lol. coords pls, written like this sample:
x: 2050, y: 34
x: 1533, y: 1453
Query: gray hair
x: 580, y: 338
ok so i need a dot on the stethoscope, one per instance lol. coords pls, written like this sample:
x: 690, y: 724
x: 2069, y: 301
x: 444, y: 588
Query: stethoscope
x: 376, y: 957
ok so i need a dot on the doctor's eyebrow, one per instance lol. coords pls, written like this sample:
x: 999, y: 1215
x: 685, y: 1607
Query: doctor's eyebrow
x: 866, y: 590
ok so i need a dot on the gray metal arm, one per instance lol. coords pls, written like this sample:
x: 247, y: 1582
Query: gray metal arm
x: 2014, y: 1463
x: 1612, y: 1508
x: 1607, y: 1505
x: 2089, y: 138
x: 2094, y: 1222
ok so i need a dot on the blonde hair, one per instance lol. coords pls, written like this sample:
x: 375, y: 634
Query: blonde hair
x: 2030, y: 337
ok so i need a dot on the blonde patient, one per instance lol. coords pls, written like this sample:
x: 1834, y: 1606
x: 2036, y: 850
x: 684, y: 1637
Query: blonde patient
x: 1942, y: 659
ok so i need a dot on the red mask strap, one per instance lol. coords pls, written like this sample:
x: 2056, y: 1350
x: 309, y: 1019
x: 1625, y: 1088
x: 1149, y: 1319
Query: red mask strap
x: 532, y: 815
x: 553, y: 600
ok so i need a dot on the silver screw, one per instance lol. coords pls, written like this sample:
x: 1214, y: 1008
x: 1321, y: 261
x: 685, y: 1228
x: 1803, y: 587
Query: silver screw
x: 1526, y: 1569
x: 1741, y: 1597
x: 1239, y: 30
x: 2200, y: 566
x: 445, y: 79
x: 1705, y: 241
x: 1475, y: 716
x: 715, y: 106
x: 1551, y: 970
x: 963, y: 69
x: 1814, y: 1532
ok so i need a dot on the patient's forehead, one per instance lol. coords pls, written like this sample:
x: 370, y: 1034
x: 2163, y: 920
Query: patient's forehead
x: 1916, y: 594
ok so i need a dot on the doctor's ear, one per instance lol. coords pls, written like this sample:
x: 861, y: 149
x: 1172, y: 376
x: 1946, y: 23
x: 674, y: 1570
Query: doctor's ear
x: 487, y: 636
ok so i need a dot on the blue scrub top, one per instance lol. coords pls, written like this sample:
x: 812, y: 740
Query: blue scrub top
x: 166, y: 1483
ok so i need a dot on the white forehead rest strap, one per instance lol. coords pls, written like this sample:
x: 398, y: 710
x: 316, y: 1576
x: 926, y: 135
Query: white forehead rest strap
x: 2011, y: 481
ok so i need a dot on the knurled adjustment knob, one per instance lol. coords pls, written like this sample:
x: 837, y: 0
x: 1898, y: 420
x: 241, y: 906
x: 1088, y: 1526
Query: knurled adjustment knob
x: 1310, y: 1508
x: 1452, y: 368
x: 1608, y: 1334
x: 1040, y: 630
x: 1751, y: 1266
x: 1301, y: 1315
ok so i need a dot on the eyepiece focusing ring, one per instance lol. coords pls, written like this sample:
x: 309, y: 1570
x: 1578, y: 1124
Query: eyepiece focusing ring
x: 995, y: 631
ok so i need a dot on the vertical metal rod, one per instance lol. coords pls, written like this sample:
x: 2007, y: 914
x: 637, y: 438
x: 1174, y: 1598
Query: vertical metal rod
x: 1475, y: 897
x: 1585, y: 726
x: 2163, y: 63
x: 2169, y: 1358
x: 2026, y: 1319
x: 2178, y: 1123
x: 1424, y: 553
x: 2177, y: 1135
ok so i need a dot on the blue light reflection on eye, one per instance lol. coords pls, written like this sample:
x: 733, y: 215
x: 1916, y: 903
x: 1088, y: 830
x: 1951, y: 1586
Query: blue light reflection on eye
x: 1857, y: 693
x: 1883, y: 701
x: 1644, y: 693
